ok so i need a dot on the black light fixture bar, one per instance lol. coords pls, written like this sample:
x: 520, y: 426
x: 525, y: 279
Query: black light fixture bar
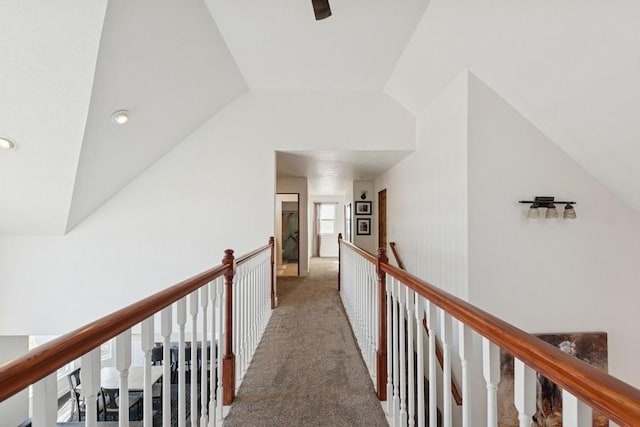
x: 321, y: 9
x: 546, y: 202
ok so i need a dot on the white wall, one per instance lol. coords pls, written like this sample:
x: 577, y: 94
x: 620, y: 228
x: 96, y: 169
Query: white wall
x: 299, y: 186
x: 367, y: 242
x: 427, y: 194
x: 427, y: 211
x: 548, y: 275
x: 453, y: 212
x: 16, y: 409
x: 213, y: 191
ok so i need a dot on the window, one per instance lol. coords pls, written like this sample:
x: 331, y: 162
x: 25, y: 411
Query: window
x: 327, y: 218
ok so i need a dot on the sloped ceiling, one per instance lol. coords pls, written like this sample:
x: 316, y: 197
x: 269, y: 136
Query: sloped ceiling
x: 279, y: 45
x: 571, y: 67
x: 48, y: 54
x: 164, y: 61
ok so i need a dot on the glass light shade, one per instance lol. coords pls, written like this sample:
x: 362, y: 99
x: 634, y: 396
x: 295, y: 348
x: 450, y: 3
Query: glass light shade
x: 569, y: 212
x: 120, y: 117
x: 552, y: 212
x: 533, y: 213
x: 6, y: 143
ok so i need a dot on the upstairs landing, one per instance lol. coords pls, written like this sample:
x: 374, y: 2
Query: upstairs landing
x: 307, y: 370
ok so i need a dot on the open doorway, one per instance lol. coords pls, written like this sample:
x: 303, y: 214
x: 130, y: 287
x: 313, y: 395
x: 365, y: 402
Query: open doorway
x: 288, y: 234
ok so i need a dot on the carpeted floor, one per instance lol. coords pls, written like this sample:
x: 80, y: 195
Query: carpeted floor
x: 307, y: 370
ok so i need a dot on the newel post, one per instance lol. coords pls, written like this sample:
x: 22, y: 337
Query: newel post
x: 339, y: 259
x: 229, y: 360
x: 273, y: 287
x: 381, y: 354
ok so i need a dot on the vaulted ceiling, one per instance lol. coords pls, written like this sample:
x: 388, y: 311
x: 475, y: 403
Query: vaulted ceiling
x: 571, y: 67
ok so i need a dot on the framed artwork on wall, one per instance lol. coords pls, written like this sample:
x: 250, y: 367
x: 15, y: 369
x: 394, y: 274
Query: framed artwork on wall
x: 363, y: 208
x: 363, y: 226
x: 590, y: 347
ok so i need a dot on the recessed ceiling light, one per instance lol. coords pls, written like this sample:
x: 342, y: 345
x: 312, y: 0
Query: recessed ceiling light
x: 120, y: 117
x: 6, y: 143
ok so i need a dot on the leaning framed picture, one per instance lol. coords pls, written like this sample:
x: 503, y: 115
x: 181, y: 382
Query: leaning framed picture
x: 363, y: 226
x: 363, y: 208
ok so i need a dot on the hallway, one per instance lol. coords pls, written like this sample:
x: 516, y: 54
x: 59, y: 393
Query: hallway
x: 307, y: 370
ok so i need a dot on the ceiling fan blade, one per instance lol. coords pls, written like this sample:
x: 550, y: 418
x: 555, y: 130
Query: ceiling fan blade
x: 321, y: 8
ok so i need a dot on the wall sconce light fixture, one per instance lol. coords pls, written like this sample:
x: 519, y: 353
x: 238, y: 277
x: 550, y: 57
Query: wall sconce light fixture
x: 550, y: 204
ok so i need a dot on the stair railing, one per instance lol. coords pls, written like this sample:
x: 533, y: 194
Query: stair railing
x: 398, y: 296
x: 232, y: 302
x: 455, y: 389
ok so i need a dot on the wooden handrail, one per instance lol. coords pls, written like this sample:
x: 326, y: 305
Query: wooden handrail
x: 246, y: 257
x: 392, y: 245
x: 615, y: 399
x: 612, y: 397
x: 17, y: 374
x: 366, y: 255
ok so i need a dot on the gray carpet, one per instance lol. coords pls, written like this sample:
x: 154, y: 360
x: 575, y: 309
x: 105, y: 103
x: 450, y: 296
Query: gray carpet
x: 307, y: 370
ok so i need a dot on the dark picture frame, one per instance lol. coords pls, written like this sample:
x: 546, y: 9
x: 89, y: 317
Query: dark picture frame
x: 363, y: 226
x: 363, y: 208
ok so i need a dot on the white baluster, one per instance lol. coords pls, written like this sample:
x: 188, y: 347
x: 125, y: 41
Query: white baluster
x: 366, y: 302
x: 181, y: 311
x: 491, y: 372
x: 410, y: 360
x: 90, y: 380
x: 396, y: 353
x: 445, y: 330
x: 247, y: 317
x: 204, y: 382
x: 123, y: 362
x: 220, y: 344
x: 464, y: 350
x: 212, y: 378
x: 419, y: 312
x: 147, y: 396
x: 237, y: 297
x: 193, y: 311
x: 240, y: 330
x: 402, y: 296
x: 255, y: 309
x: 362, y: 299
x: 373, y: 289
x: 45, y: 401
x: 165, y: 330
x: 390, y: 346
x: 245, y: 313
x: 574, y: 412
x: 252, y: 311
x: 433, y: 396
x: 524, y: 392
